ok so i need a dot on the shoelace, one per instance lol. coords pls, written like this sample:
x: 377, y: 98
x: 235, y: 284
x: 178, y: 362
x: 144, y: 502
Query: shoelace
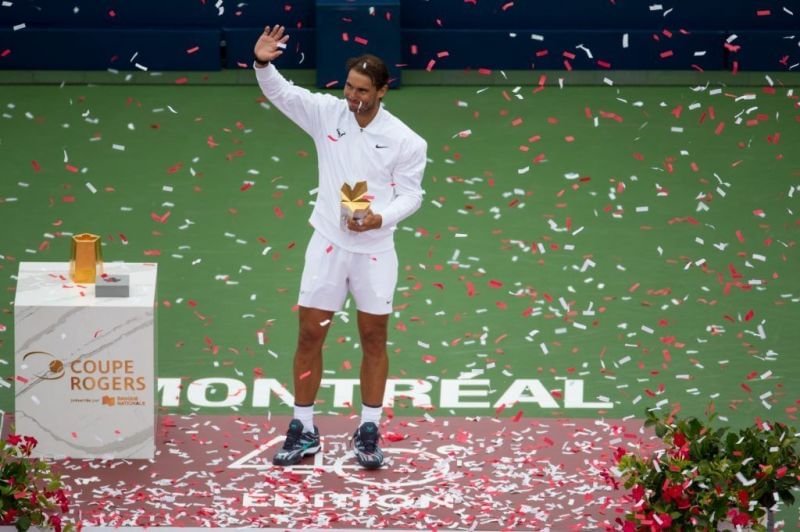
x: 370, y: 442
x: 291, y: 439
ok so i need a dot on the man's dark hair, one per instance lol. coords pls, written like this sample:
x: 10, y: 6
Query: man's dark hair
x: 371, y: 66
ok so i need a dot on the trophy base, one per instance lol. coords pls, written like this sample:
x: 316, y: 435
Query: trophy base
x: 112, y: 286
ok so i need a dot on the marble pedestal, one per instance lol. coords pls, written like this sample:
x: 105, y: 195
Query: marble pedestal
x: 85, y: 366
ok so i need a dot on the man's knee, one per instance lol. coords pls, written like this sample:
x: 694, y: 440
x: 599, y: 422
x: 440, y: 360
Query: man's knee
x: 310, y: 338
x: 374, y: 342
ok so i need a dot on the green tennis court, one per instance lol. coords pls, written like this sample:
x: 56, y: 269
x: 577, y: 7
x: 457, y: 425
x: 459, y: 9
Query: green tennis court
x: 582, y: 251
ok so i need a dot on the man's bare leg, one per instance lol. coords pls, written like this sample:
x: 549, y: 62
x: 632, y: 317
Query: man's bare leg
x: 314, y: 325
x: 302, y: 439
x: 373, y: 329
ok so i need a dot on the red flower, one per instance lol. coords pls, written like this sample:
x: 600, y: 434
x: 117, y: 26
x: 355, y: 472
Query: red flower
x: 744, y: 498
x: 638, y: 493
x: 13, y: 439
x: 619, y: 452
x: 739, y: 518
x: 679, y: 439
x: 55, y: 522
x: 9, y: 516
x: 671, y: 492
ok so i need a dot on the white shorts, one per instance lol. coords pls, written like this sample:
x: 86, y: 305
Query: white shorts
x: 331, y: 272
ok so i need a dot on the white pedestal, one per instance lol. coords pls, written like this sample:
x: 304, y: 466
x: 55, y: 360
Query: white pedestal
x: 85, y: 366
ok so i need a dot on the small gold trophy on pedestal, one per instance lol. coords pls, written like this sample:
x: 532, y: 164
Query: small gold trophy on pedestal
x: 355, y: 204
x: 86, y: 259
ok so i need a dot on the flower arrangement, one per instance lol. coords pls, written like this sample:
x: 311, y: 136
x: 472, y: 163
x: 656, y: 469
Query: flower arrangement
x: 30, y: 493
x: 703, y: 476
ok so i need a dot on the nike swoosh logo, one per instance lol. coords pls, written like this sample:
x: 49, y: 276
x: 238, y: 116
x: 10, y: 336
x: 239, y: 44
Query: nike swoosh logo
x: 379, y: 146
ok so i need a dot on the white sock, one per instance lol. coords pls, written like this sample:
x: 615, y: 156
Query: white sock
x: 371, y: 414
x: 306, y: 415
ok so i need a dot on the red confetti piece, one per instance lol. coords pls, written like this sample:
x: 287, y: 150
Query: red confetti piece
x: 414, y: 49
x: 160, y: 219
x: 470, y: 288
x: 192, y: 49
x: 749, y: 315
x: 666, y: 54
x: 507, y: 5
x: 173, y: 169
x: 345, y: 37
x: 306, y: 374
x: 431, y: 63
x: 517, y: 417
x: 278, y: 212
x: 36, y: 166
x: 428, y: 359
x: 21, y: 379
x: 152, y: 252
x: 71, y: 168
x: 68, y: 199
x: 720, y: 127
x: 329, y: 249
x: 182, y: 80
x: 361, y: 40
x: 495, y: 283
x: 763, y: 13
x: 394, y: 437
x: 5, y: 52
x: 246, y: 186
x: 484, y: 71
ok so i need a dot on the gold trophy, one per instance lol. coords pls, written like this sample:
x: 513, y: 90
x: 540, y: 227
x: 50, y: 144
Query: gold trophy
x: 86, y: 260
x: 355, y: 204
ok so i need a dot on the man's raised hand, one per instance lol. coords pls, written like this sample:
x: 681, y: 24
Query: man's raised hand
x: 269, y: 45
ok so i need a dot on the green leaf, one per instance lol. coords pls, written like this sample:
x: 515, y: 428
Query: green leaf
x: 23, y: 523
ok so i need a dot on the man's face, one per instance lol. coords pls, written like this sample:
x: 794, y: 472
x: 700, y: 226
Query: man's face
x: 361, y: 95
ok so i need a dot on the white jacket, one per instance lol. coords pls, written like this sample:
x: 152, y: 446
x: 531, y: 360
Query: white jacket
x: 386, y: 153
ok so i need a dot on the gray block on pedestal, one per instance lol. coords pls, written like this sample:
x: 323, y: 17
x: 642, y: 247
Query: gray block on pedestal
x: 112, y: 286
